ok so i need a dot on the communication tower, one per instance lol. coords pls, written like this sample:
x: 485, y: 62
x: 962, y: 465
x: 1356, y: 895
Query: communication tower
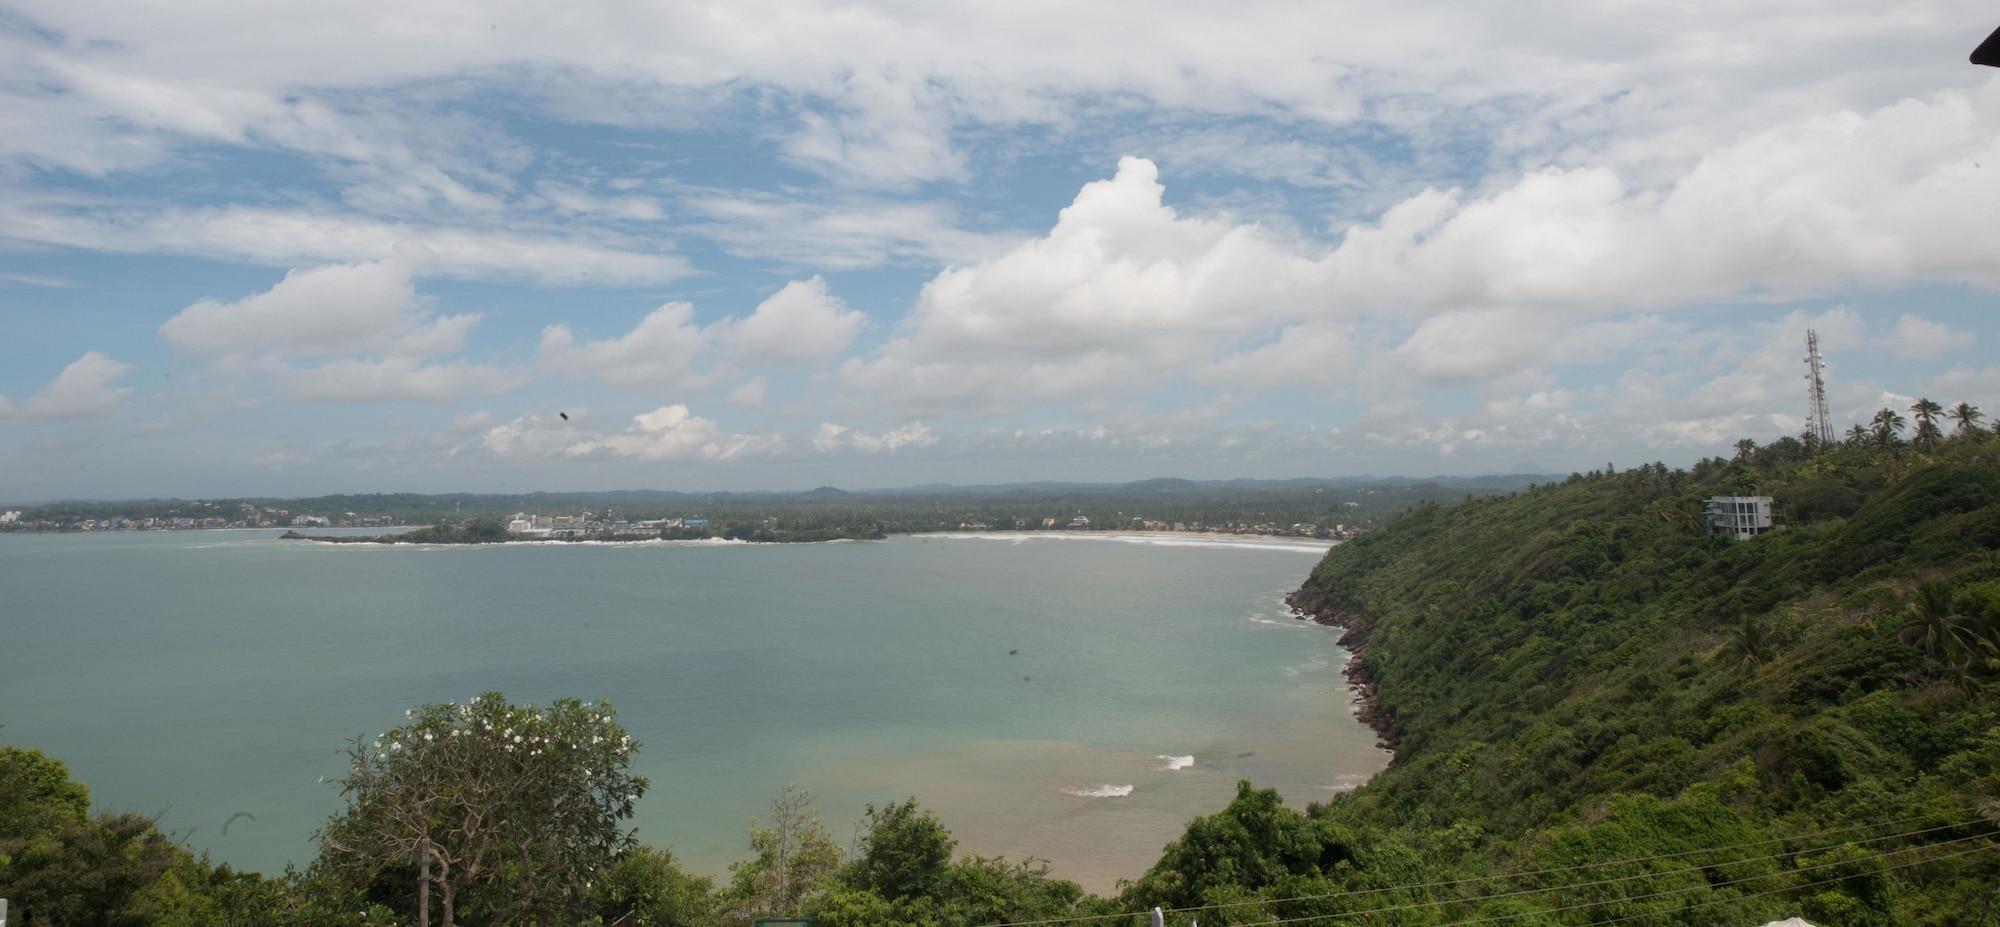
x: 1819, y: 424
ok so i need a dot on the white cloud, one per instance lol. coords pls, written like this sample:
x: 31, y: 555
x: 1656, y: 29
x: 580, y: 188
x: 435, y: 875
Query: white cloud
x: 882, y: 95
x: 1918, y: 338
x: 661, y: 350
x: 1795, y: 209
x: 832, y: 437
x: 301, y: 236
x: 1122, y: 292
x: 533, y: 435
x: 87, y: 388
x: 372, y: 333
x: 802, y: 324
x: 333, y: 309
x: 673, y: 433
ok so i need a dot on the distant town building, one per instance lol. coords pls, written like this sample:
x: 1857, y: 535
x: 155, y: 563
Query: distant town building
x: 1739, y: 517
x: 310, y: 521
x: 1081, y: 521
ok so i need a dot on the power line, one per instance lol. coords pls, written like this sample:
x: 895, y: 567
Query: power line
x: 1775, y: 892
x: 1356, y: 893
x: 1630, y: 898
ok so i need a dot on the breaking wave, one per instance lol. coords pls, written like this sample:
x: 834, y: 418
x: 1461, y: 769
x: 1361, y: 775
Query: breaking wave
x: 1102, y: 791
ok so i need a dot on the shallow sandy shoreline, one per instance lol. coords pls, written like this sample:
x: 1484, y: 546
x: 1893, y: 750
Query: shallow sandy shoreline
x: 1294, y: 540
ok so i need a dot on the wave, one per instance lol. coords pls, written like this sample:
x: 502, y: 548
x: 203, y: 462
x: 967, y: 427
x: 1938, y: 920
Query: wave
x: 1102, y: 791
x: 1347, y: 782
x: 1314, y: 665
x: 1175, y: 762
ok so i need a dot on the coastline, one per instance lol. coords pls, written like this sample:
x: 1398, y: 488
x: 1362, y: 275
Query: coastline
x: 1354, y: 625
x: 1316, y: 545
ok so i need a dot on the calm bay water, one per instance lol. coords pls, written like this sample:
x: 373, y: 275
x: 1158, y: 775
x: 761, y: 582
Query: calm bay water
x: 197, y: 674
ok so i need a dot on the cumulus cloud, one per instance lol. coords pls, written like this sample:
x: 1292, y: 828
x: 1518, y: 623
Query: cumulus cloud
x: 1554, y: 267
x: 332, y: 309
x: 372, y: 337
x: 802, y: 324
x: 662, y: 350
x: 87, y: 388
x: 1122, y: 291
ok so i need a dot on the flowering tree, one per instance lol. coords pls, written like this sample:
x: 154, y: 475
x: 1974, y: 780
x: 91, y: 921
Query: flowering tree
x: 504, y: 810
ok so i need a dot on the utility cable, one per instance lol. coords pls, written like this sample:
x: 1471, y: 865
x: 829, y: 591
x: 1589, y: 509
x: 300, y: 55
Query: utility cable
x: 1630, y: 898
x: 1536, y: 872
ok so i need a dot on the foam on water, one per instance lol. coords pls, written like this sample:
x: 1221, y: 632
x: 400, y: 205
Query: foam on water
x: 1101, y: 791
x: 1175, y: 762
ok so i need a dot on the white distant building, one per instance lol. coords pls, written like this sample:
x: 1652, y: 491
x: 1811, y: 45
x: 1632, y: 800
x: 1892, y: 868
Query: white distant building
x: 1739, y: 517
x: 310, y: 521
x: 8, y: 518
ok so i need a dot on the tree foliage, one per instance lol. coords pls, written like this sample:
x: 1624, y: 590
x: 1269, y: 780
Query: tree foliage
x: 507, y: 811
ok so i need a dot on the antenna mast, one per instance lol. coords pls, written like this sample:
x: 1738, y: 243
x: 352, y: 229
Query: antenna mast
x: 1819, y: 424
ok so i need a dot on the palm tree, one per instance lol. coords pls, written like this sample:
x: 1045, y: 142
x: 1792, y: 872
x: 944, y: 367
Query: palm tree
x: 1887, y: 428
x: 1744, y: 449
x: 1967, y: 415
x: 1934, y: 625
x: 1926, y: 413
x: 1751, y: 641
x: 1857, y: 436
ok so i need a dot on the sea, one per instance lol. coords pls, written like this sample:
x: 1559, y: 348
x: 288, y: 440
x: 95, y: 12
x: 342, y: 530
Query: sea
x: 1072, y: 698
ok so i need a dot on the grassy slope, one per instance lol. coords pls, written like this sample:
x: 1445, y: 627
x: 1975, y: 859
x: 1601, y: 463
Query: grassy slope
x: 1562, y: 670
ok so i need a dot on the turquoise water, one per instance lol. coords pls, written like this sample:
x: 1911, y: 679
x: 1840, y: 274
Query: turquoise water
x: 197, y: 674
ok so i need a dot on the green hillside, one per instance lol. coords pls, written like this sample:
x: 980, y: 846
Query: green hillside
x: 1575, y: 675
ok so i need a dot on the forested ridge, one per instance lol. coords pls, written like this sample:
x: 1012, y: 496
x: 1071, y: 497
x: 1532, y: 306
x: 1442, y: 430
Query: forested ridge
x: 1575, y: 674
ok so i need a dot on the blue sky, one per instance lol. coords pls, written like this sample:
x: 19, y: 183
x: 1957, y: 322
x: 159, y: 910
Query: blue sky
x: 303, y: 249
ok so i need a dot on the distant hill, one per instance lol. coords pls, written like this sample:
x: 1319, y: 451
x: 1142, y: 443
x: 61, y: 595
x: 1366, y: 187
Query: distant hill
x: 658, y: 499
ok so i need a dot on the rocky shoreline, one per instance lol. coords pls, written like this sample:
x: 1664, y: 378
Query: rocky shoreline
x: 1354, y: 625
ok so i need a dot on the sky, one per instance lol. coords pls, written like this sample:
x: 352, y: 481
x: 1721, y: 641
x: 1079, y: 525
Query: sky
x: 296, y: 248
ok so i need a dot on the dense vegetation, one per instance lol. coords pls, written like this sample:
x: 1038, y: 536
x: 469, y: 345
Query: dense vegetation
x: 1576, y: 674
x: 1602, y: 715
